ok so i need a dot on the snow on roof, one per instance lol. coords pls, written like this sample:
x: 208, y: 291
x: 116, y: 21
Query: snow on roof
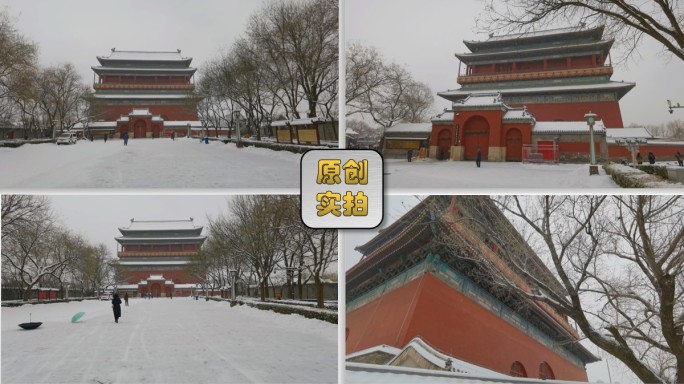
x: 518, y: 114
x: 360, y: 373
x: 566, y: 127
x: 628, y: 133
x: 156, y: 277
x: 174, y: 262
x: 102, y: 124
x: 483, y: 99
x: 141, y: 96
x: 146, y: 55
x: 103, y: 68
x: 559, y: 88
x: 309, y: 121
x: 410, y: 128
x: 378, y: 348
x: 160, y: 225
x: 439, y: 359
x: 140, y: 112
x: 182, y: 123
x: 548, y: 32
x: 129, y: 240
x: 446, y: 116
x: 185, y: 286
x: 169, y: 282
x: 127, y: 286
x: 157, y: 118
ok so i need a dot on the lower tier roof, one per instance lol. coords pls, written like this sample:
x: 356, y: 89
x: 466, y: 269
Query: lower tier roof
x: 613, y: 86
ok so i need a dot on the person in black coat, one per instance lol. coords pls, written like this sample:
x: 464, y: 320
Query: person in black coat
x: 651, y: 158
x: 478, y: 158
x: 116, y: 305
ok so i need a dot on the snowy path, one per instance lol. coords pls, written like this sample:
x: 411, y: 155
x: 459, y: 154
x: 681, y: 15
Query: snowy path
x: 166, y: 341
x: 430, y: 176
x: 146, y: 163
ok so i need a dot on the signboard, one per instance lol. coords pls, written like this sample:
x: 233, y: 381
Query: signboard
x: 284, y: 135
x: 308, y: 135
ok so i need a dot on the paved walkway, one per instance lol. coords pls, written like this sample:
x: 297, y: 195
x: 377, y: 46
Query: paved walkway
x: 166, y: 341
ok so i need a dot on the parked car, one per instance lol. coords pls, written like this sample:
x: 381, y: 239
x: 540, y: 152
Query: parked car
x: 106, y: 297
x: 67, y: 138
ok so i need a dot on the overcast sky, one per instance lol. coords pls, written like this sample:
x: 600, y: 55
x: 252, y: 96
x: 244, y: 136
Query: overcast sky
x: 97, y: 218
x: 424, y: 35
x: 76, y: 31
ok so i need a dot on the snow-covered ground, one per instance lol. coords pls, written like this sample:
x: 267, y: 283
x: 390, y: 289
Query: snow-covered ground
x: 430, y: 175
x: 166, y: 341
x: 146, y: 163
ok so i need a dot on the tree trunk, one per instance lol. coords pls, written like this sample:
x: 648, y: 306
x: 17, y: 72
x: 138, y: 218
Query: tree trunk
x: 319, y: 291
x: 264, y: 288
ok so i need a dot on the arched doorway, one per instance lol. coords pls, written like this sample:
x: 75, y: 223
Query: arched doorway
x: 518, y: 370
x: 545, y: 371
x: 476, y: 135
x: 156, y: 290
x: 513, y: 145
x: 139, y: 128
x: 444, y: 142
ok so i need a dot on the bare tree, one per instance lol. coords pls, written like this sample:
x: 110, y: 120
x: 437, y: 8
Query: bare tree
x: 18, y: 57
x: 39, y: 249
x: 618, y: 261
x: 385, y: 92
x: 20, y: 211
x: 256, y: 235
x: 364, y: 72
x: 62, y: 97
x: 628, y: 21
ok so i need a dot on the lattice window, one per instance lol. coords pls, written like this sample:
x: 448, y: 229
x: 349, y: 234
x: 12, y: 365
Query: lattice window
x: 518, y: 370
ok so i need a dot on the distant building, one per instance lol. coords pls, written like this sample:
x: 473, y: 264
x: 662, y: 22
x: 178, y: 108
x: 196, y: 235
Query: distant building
x: 144, y: 94
x: 527, y: 94
x: 154, y: 256
x: 409, y: 285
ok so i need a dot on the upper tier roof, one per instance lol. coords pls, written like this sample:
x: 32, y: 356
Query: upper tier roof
x: 154, y: 227
x: 101, y: 70
x: 514, y: 53
x: 535, y: 37
x: 165, y: 58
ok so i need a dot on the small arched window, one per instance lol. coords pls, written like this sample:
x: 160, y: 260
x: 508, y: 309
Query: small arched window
x: 518, y: 370
x: 545, y: 371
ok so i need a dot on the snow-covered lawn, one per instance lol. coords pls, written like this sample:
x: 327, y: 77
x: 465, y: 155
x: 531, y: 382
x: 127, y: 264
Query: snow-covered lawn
x: 146, y: 163
x: 430, y: 175
x: 166, y: 341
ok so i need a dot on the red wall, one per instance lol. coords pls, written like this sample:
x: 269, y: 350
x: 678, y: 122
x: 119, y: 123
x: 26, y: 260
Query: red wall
x: 453, y: 324
x: 169, y: 112
x: 608, y: 111
x: 178, y: 276
x: 661, y: 152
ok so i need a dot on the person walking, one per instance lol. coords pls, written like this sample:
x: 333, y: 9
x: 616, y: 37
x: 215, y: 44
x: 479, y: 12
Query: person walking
x: 478, y: 158
x: 105, y: 137
x: 409, y: 155
x: 680, y: 159
x: 126, y: 298
x: 116, y: 305
x: 125, y: 137
x: 173, y: 135
x: 639, y: 159
x: 651, y: 158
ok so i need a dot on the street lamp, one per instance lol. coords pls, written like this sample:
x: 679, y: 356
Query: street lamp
x: 591, y: 120
x: 671, y: 107
x: 236, y: 117
x: 233, y: 278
